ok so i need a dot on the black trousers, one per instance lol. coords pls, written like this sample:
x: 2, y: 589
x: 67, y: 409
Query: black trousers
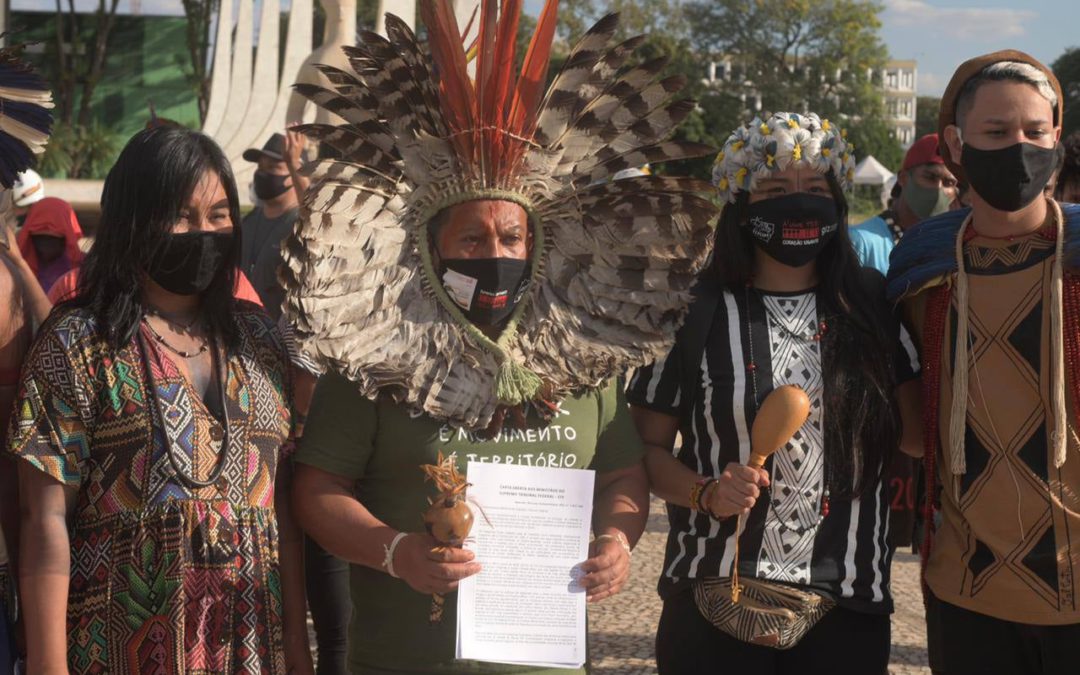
x: 327, y: 580
x: 962, y: 642
x: 844, y: 642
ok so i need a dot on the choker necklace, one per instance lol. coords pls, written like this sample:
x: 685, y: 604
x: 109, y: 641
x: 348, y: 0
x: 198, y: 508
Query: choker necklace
x: 822, y: 329
x: 168, y: 319
x: 179, y: 352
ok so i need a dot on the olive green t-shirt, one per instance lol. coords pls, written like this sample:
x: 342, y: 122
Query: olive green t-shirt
x: 381, y: 445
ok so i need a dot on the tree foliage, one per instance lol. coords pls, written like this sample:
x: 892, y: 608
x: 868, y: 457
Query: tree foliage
x: 200, y: 15
x: 81, y: 50
x: 636, y: 17
x: 1067, y: 70
x: 819, y: 55
x: 873, y: 136
x: 926, y: 115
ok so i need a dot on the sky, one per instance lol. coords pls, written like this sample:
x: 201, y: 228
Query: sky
x: 939, y: 34
x: 942, y: 34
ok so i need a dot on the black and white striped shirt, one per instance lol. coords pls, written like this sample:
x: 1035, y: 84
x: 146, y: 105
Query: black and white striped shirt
x: 844, y: 554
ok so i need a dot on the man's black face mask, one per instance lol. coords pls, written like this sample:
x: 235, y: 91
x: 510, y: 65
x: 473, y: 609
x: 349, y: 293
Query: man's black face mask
x: 1009, y: 179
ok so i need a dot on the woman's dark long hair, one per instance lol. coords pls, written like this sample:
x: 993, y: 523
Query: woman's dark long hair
x: 862, y: 425
x: 145, y: 192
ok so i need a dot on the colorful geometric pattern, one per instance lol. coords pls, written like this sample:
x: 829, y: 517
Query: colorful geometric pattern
x: 164, y: 578
x: 1005, y: 545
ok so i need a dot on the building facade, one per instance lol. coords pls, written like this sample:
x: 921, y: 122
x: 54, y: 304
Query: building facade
x: 899, y: 80
x: 898, y: 83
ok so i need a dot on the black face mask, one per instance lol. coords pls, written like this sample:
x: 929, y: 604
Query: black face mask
x: 189, y: 262
x: 269, y: 186
x: 1010, y: 178
x: 794, y: 228
x: 486, y: 289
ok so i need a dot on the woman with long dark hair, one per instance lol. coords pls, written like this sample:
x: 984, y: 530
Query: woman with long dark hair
x: 151, y: 418
x: 804, y: 539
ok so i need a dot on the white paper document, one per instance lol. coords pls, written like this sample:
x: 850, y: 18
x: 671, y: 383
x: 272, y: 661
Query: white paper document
x: 526, y: 606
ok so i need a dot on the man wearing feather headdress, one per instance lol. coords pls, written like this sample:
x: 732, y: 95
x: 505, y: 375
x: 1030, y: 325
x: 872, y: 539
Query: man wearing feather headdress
x: 473, y: 285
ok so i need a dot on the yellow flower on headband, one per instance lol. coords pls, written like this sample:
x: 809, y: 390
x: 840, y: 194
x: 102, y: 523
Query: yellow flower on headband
x: 762, y: 147
x: 719, y: 158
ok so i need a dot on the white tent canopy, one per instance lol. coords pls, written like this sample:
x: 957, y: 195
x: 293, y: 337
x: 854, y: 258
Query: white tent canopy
x: 871, y: 172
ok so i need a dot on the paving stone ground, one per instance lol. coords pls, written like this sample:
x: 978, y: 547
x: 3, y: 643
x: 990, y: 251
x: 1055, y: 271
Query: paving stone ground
x: 622, y: 627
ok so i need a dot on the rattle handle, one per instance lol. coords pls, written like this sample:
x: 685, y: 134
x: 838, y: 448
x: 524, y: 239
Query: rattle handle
x: 757, y: 460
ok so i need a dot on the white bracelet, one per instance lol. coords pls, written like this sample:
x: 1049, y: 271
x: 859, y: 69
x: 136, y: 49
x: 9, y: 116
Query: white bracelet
x: 619, y: 537
x: 388, y: 559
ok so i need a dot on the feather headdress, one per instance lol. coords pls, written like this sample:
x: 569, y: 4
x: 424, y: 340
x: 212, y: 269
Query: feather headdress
x: 613, y: 261
x: 25, y: 120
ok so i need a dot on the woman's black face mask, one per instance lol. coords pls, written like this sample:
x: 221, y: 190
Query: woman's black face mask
x: 793, y: 229
x: 189, y: 261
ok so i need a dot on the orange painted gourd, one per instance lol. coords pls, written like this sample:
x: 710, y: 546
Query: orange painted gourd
x: 782, y: 413
x: 449, y: 520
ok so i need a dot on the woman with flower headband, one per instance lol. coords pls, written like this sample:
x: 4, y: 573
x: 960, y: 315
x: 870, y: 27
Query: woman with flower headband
x: 785, y: 302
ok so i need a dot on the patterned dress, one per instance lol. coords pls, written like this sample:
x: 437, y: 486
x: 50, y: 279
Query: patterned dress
x: 165, y: 577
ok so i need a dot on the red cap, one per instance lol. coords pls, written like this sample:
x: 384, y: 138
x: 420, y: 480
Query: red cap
x: 923, y: 151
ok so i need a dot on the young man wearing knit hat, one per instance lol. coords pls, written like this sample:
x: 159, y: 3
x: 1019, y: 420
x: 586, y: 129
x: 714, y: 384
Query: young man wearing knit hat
x: 993, y: 293
x: 927, y: 188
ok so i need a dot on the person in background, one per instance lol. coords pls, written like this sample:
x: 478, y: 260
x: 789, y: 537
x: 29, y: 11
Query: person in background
x: 25, y: 126
x: 326, y: 576
x: 49, y: 240
x: 279, y: 188
x: 991, y: 293
x: 926, y: 188
x: 1067, y: 182
x: 16, y: 324
x: 27, y: 190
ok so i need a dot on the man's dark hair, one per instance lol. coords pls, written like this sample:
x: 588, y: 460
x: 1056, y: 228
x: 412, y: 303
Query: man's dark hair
x: 1005, y: 71
x: 862, y: 426
x: 1070, y: 166
x: 144, y: 194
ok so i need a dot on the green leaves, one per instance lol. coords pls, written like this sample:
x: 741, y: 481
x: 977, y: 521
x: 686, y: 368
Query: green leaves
x: 824, y: 56
x: 1067, y: 70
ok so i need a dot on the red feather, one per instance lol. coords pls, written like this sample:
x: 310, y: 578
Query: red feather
x: 530, y: 85
x: 492, y: 118
x: 455, y: 87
